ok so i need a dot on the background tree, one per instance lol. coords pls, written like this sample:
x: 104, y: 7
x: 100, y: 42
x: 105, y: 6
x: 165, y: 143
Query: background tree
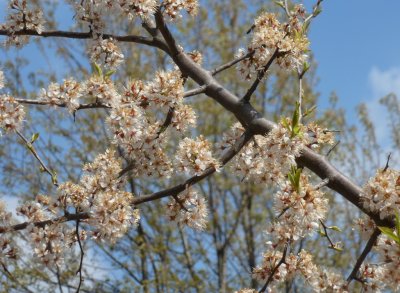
x: 165, y: 257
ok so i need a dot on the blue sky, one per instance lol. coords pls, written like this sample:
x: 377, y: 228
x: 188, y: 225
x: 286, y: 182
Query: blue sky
x: 357, y: 47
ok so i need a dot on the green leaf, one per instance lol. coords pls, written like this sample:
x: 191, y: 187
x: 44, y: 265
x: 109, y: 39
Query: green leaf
x: 34, y: 137
x: 305, y: 27
x: 296, y: 120
x: 337, y: 248
x: 280, y: 3
x: 335, y: 228
x: 286, y: 124
x: 306, y: 66
x: 97, y: 69
x: 54, y: 178
x: 309, y: 111
x: 398, y: 225
x: 294, y: 177
x: 296, y: 130
x: 389, y: 233
x: 109, y: 73
x: 318, y: 11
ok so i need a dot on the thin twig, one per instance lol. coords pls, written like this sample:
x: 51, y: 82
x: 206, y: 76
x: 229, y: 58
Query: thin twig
x: 314, y: 12
x: 260, y: 76
x: 387, y: 162
x: 154, y: 42
x: 287, y: 8
x: 231, y: 63
x: 31, y: 148
x: 361, y: 258
x: 332, y: 148
x: 47, y: 103
x: 59, y: 279
x: 332, y: 245
x: 195, y: 92
x: 323, y: 183
x: 300, y: 101
x: 62, y: 219
x: 281, y: 261
x: 225, y: 158
x: 79, y: 271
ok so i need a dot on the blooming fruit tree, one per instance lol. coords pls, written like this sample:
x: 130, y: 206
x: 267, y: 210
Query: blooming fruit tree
x: 143, y: 116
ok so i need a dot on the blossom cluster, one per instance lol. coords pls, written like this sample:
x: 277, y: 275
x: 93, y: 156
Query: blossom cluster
x: 11, y: 113
x: 99, y: 195
x: 136, y: 124
x: 194, y: 156
x: 21, y: 18
x: 300, y: 211
x: 67, y: 94
x: 301, y: 264
x: 49, y: 241
x: 91, y: 12
x: 106, y: 52
x: 8, y: 249
x: 188, y: 208
x: 366, y: 226
x: 102, y: 89
x: 266, y: 159
x: 378, y: 277
x: 103, y: 197
x: 389, y: 253
x: 287, y: 41
x: 373, y: 277
x: 381, y: 194
x: 166, y: 90
x: 172, y: 8
x: 141, y: 8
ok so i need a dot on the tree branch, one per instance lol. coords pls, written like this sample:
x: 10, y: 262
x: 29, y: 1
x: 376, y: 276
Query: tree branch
x: 361, y: 258
x: 31, y: 148
x: 282, y: 260
x: 62, y: 219
x: 153, y: 42
x: 194, y: 92
x: 260, y: 76
x: 79, y: 271
x: 47, y: 103
x: 252, y: 120
x: 193, y: 180
x: 231, y: 63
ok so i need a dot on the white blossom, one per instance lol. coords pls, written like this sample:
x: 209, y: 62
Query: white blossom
x: 194, y: 156
x: 173, y: 7
x: 188, y: 208
x: 11, y: 113
x: 106, y: 52
x: 67, y: 93
x: 381, y: 194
